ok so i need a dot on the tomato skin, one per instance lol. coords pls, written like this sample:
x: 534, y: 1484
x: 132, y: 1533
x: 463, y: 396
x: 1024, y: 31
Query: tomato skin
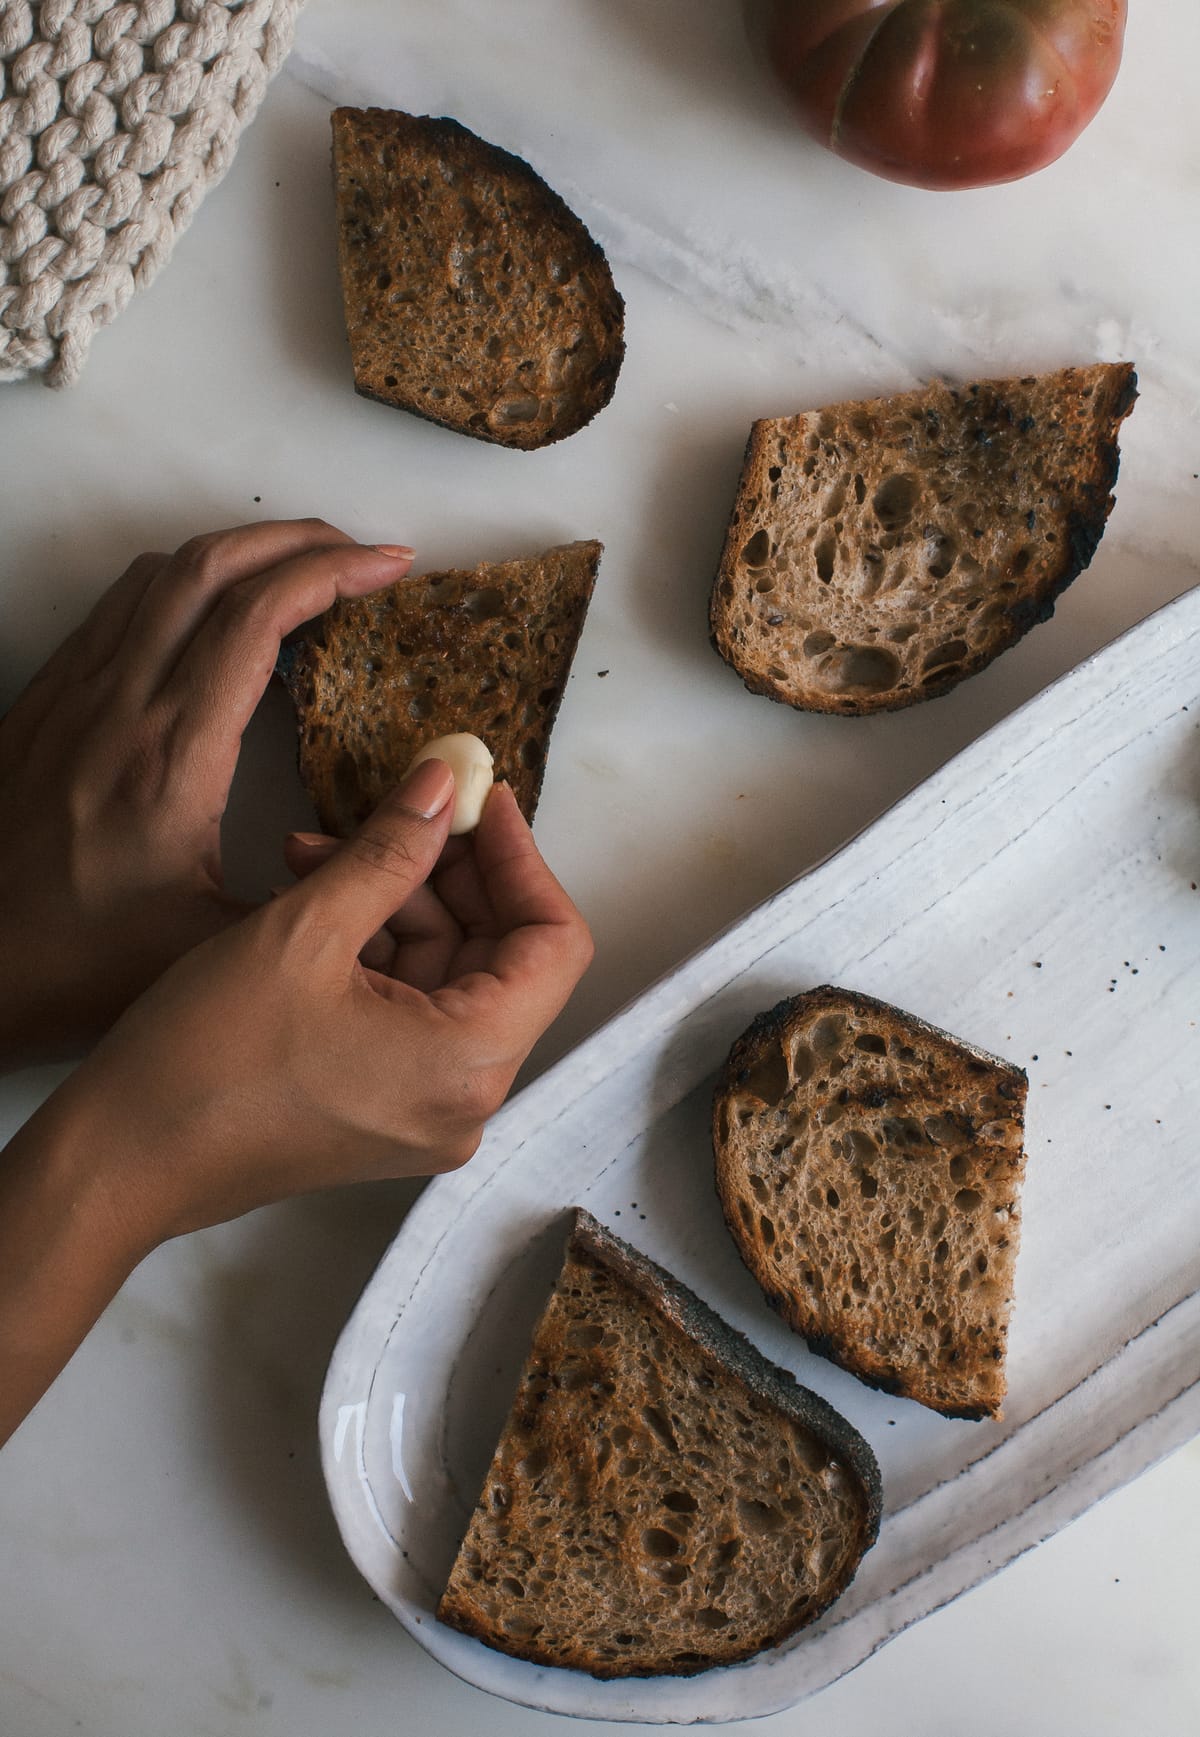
x: 947, y: 93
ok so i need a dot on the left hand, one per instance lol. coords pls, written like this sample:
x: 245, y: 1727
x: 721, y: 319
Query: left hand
x: 116, y: 764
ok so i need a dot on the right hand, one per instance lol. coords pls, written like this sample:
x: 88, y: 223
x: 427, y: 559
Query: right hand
x: 273, y: 1059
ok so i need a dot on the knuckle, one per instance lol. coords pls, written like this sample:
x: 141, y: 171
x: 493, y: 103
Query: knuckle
x: 457, y: 1153
x: 145, y: 762
x: 247, y: 609
x: 467, y: 1095
x: 200, y: 559
x: 316, y: 527
x: 483, y: 1091
x: 583, y: 946
x: 576, y: 948
x: 145, y: 565
x: 197, y: 549
x: 387, y: 855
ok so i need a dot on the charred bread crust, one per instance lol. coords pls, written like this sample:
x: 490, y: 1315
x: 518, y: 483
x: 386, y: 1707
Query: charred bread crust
x: 685, y: 1320
x: 696, y: 1320
x: 770, y: 1028
x: 1087, y: 503
x: 549, y: 239
x: 775, y: 1021
x: 359, y: 721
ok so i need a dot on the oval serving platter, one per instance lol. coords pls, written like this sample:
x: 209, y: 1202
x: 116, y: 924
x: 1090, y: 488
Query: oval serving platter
x: 1037, y: 896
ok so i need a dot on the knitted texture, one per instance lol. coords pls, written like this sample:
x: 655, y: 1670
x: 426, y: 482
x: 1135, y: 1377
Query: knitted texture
x: 116, y: 116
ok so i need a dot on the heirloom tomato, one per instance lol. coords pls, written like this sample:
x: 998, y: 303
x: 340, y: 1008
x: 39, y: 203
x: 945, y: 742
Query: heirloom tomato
x: 947, y: 93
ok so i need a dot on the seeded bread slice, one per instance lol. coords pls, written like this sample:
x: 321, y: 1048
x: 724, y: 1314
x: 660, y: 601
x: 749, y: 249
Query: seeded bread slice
x: 485, y: 649
x: 869, y: 1167
x: 473, y: 295
x: 881, y: 552
x: 662, y: 1499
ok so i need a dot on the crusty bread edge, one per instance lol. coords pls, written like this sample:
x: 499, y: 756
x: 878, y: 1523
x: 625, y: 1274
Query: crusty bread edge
x: 770, y: 1027
x: 558, y: 211
x: 292, y: 663
x: 1084, y: 532
x: 718, y: 612
x: 670, y: 1298
x: 697, y: 1321
x: 584, y: 586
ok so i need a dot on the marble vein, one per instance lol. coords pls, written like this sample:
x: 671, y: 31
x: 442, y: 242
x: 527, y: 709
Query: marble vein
x: 723, y: 278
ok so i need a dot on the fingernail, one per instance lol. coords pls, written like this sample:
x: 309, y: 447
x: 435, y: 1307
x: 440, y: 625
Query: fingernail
x: 398, y: 551
x: 311, y: 840
x: 428, y: 788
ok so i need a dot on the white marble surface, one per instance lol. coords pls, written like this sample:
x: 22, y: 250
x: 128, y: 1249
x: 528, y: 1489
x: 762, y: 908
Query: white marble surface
x: 169, y: 1563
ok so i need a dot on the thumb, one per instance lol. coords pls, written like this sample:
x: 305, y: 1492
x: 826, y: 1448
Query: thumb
x: 393, y: 852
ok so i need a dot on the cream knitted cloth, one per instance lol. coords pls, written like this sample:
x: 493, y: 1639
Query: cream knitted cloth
x: 115, y: 117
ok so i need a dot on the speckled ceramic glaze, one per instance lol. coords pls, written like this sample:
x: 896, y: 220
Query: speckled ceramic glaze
x: 1039, y: 897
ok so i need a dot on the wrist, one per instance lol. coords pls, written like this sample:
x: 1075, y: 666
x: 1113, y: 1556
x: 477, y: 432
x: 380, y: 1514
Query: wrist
x: 64, y: 1254
x: 84, y: 1151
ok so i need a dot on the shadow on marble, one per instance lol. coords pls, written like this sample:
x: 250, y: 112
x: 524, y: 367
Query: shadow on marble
x: 480, y: 1392
x: 299, y: 256
x: 702, y: 42
x: 270, y: 1315
x: 673, y: 567
x: 55, y: 576
x: 266, y: 802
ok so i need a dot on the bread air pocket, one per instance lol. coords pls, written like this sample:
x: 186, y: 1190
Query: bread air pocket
x: 473, y: 295
x: 879, y: 553
x: 869, y: 1167
x: 485, y: 650
x: 662, y: 1499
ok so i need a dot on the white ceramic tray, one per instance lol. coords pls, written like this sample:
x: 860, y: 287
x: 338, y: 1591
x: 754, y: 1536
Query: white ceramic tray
x: 1037, y: 896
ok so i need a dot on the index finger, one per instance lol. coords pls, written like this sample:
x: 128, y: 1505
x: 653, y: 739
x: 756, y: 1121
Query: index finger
x: 519, y: 885
x: 191, y: 583
x: 224, y: 669
x: 542, y: 945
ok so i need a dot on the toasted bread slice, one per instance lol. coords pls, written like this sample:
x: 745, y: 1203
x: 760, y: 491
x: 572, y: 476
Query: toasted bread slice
x: 662, y: 1499
x: 485, y: 649
x: 869, y: 1168
x: 473, y: 295
x: 881, y: 552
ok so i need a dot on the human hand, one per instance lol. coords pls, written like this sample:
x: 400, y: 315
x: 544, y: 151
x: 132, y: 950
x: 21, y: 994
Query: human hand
x: 364, y: 1024
x: 116, y: 763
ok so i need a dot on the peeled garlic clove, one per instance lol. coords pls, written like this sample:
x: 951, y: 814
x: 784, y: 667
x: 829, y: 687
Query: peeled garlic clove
x: 471, y: 762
